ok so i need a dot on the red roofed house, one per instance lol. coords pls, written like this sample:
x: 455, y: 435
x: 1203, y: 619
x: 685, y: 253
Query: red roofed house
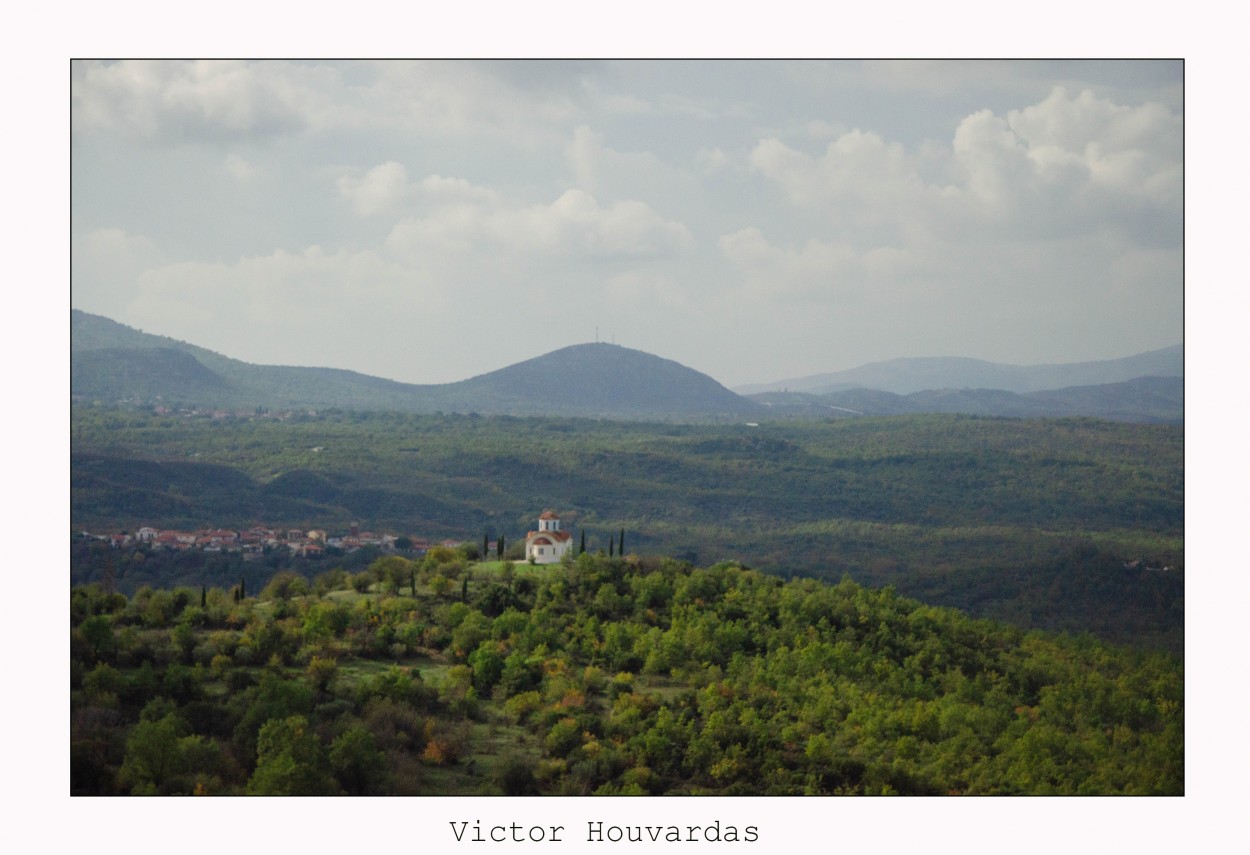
x: 547, y: 545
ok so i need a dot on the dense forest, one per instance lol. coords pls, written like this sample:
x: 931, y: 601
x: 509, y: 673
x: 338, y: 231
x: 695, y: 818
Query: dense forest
x: 600, y: 675
x: 1060, y: 524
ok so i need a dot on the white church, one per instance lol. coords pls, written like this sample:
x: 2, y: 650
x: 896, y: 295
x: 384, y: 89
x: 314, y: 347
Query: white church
x: 548, y: 545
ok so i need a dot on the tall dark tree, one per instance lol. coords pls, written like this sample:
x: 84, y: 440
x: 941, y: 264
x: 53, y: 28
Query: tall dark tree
x: 583, y: 548
x: 620, y: 544
x: 611, y: 545
x: 203, y: 596
x: 110, y: 576
x: 499, y: 548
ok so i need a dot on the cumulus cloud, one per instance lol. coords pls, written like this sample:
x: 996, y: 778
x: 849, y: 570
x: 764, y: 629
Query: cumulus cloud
x: 1072, y: 164
x: 1134, y: 151
x: 206, y: 99
x: 379, y: 190
x: 857, y: 167
x: 575, y: 226
x: 1065, y: 165
x: 610, y: 174
x: 214, y: 100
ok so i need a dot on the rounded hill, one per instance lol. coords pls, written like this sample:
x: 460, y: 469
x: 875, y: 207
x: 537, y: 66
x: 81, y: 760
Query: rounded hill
x: 602, y: 379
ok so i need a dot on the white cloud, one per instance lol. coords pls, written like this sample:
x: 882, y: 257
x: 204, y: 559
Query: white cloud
x: 1129, y: 150
x: 238, y: 168
x: 380, y: 190
x: 443, y: 190
x: 205, y: 99
x: 215, y: 100
x: 1063, y: 166
x: 1074, y: 164
x: 995, y: 162
x: 574, y: 226
x: 610, y: 174
x: 857, y: 166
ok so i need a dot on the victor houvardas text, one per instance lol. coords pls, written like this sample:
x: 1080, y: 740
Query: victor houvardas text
x: 598, y: 831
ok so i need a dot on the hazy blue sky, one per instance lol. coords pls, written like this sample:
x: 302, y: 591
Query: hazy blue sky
x: 429, y: 221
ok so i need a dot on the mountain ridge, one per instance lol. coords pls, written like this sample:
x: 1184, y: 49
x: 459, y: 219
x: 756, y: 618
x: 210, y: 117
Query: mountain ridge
x: 1142, y: 399
x: 906, y: 375
x: 113, y: 362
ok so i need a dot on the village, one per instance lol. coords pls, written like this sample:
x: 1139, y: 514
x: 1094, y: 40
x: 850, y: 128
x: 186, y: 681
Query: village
x: 257, y: 540
x: 545, y: 546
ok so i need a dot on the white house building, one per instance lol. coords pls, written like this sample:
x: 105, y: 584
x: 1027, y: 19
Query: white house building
x: 547, y: 545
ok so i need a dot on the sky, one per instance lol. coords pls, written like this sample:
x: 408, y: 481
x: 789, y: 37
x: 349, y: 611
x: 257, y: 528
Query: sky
x: 755, y: 220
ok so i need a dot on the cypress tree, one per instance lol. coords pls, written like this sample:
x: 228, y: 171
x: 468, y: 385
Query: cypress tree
x: 611, y: 545
x: 464, y: 590
x: 203, y: 596
x: 583, y: 549
x: 242, y: 589
x: 499, y: 547
x: 620, y: 546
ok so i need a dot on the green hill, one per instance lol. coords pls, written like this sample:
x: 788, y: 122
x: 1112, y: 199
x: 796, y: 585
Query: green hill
x: 601, y: 676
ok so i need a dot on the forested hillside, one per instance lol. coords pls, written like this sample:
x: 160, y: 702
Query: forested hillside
x: 605, y: 676
x: 1027, y: 520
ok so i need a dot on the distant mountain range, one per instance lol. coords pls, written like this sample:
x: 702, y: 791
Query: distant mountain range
x: 905, y: 376
x: 112, y: 362
x: 1142, y: 399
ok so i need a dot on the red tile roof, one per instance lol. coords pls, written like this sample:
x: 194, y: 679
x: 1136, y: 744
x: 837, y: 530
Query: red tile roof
x: 559, y: 536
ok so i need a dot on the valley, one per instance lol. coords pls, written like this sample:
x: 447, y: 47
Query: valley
x: 983, y: 514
